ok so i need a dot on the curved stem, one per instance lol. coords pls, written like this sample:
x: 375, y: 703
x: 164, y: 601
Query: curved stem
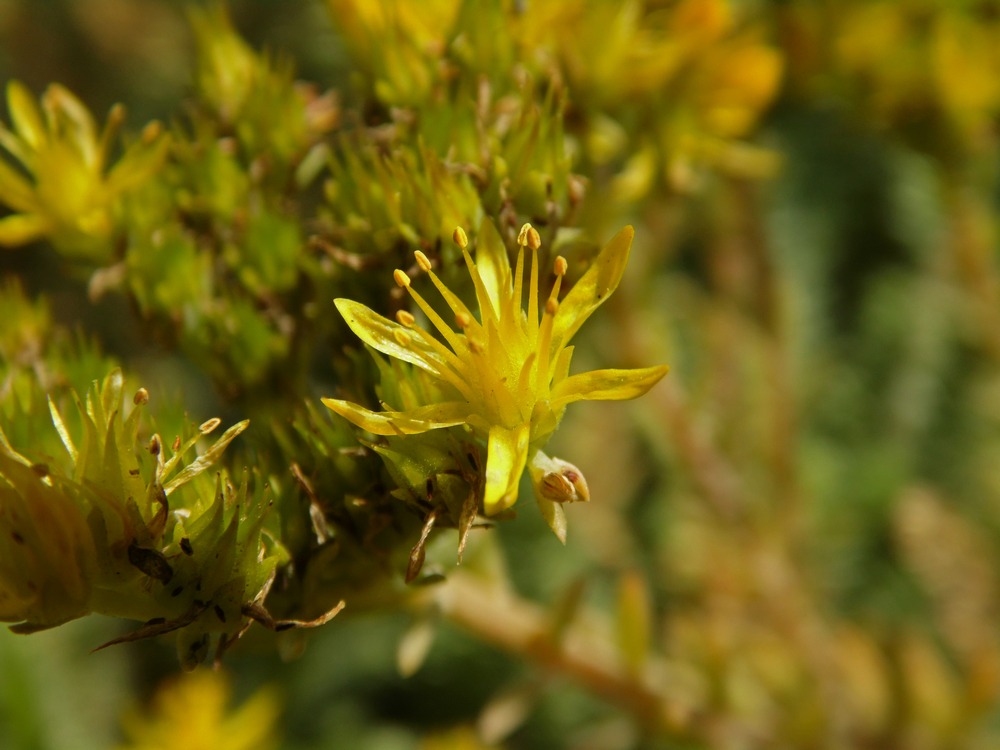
x: 660, y: 696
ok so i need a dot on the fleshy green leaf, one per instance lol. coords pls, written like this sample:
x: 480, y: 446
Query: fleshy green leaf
x: 210, y: 456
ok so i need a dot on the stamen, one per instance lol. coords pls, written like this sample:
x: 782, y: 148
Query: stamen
x: 559, y: 269
x: 533, y: 295
x: 545, y: 340
x: 460, y: 238
x: 462, y: 320
x: 449, y: 335
x: 457, y: 306
x: 519, y: 277
x: 422, y: 261
x: 528, y: 237
x: 405, y: 318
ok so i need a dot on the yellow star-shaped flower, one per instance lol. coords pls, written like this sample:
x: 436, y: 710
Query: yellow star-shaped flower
x: 505, y: 372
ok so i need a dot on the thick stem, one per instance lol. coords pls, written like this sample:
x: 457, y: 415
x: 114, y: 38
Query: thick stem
x: 660, y: 697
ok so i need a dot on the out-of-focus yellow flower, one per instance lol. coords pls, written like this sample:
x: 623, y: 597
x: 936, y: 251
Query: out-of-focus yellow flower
x: 60, y: 186
x: 396, y: 42
x: 917, y: 67
x: 504, y: 374
x: 695, y: 72
x: 192, y: 712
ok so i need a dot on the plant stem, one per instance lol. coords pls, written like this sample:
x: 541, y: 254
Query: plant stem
x: 583, y: 652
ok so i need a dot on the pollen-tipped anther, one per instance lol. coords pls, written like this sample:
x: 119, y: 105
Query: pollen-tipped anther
x: 529, y: 237
x: 560, y: 266
x: 460, y: 237
x: 423, y: 261
x: 463, y: 320
x: 401, y: 278
x: 405, y: 318
x: 209, y: 425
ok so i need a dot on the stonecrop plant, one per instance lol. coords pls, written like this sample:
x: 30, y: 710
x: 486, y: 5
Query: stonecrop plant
x: 231, y: 235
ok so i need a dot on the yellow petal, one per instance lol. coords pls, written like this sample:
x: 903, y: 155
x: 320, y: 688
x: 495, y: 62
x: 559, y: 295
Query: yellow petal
x: 493, y: 264
x: 25, y: 115
x: 507, y: 453
x: 606, y: 385
x: 392, y: 338
x: 409, y: 422
x: 20, y: 229
x: 595, y: 286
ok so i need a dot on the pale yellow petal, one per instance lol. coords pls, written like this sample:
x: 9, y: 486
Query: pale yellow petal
x: 25, y: 115
x: 507, y: 453
x: 20, y: 229
x: 411, y: 422
x: 595, y: 286
x: 606, y: 385
x: 493, y: 264
x: 392, y: 338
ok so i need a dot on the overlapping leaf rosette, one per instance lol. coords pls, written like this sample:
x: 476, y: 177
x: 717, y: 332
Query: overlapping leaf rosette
x: 134, y: 527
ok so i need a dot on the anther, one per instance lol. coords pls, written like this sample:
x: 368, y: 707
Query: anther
x: 206, y: 427
x: 551, y: 306
x: 141, y: 397
x: 401, y: 278
x: 460, y: 238
x: 462, y: 320
x: 154, y: 445
x: 528, y: 237
x: 422, y: 261
x: 151, y: 132
x: 560, y: 266
x: 404, y: 318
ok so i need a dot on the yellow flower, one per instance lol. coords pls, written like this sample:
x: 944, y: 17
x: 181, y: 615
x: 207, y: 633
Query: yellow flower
x: 61, y: 188
x: 192, y: 712
x: 505, y: 373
